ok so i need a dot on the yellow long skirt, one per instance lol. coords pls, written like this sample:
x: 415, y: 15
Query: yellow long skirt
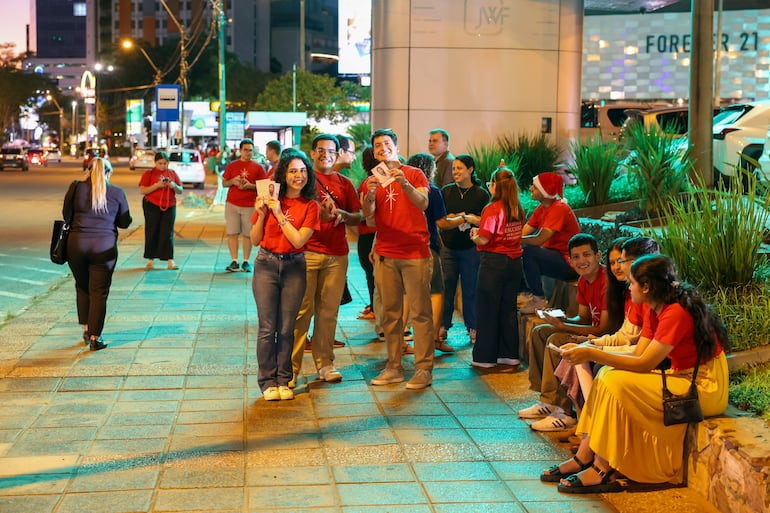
x: 623, y: 417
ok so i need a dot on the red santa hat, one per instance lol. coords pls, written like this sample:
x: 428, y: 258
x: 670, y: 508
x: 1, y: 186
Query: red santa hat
x: 549, y: 184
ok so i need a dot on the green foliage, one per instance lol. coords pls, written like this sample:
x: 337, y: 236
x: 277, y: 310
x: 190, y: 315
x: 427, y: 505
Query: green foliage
x: 715, y: 236
x: 318, y: 95
x: 538, y: 154
x: 750, y: 389
x: 488, y: 157
x: 356, y: 171
x: 594, y: 165
x: 361, y: 134
x: 660, y: 163
x: 744, y: 312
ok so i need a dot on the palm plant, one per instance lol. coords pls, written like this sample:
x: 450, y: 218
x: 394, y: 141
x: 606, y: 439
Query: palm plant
x: 594, y: 165
x: 538, y: 154
x: 488, y: 157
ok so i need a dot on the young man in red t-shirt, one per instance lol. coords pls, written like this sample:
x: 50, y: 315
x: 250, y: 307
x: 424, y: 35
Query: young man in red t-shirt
x: 240, y: 177
x: 402, y: 262
x: 555, y: 408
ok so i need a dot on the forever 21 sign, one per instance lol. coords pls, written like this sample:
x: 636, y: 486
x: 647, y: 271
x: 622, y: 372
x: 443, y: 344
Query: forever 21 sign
x: 674, y: 43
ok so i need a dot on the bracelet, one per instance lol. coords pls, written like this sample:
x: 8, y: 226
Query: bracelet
x: 283, y: 222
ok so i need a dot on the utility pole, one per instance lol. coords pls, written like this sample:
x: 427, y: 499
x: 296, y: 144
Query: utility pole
x: 219, y: 7
x: 182, y: 67
x: 302, y: 35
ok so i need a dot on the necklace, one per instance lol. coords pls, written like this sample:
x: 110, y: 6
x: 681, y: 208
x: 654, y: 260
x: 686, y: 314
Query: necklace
x: 462, y: 193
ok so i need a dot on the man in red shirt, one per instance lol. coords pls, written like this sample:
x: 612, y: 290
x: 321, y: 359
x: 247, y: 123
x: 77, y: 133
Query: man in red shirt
x: 327, y: 261
x: 241, y: 177
x: 395, y: 202
x: 555, y: 407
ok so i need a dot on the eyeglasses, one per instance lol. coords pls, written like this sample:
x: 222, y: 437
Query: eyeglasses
x: 623, y: 261
x: 323, y: 151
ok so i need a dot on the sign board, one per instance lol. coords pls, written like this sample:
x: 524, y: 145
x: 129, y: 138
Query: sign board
x: 134, y: 113
x: 236, y: 125
x: 167, y: 101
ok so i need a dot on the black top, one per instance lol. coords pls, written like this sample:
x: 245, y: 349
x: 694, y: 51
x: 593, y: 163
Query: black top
x: 86, y: 221
x: 471, y: 201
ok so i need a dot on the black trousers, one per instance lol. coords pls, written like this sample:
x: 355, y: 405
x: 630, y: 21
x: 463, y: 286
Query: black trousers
x: 365, y: 243
x: 92, y: 260
x: 158, y: 231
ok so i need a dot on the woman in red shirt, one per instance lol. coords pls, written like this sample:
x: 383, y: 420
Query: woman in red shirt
x: 159, y: 185
x: 623, y: 416
x: 498, y: 239
x: 282, y: 227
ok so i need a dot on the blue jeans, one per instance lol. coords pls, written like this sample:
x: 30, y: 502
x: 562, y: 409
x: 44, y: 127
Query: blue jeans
x: 278, y: 286
x: 498, y: 326
x: 462, y: 263
x: 538, y: 262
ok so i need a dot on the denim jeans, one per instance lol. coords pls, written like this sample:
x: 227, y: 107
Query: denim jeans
x: 497, y: 335
x: 538, y: 262
x: 462, y: 263
x: 278, y: 285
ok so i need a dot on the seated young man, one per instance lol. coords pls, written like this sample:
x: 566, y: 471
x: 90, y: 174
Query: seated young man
x: 555, y: 407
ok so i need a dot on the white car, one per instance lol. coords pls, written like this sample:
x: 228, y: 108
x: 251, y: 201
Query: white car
x: 739, y: 130
x: 189, y: 166
x: 142, y: 159
x: 53, y: 155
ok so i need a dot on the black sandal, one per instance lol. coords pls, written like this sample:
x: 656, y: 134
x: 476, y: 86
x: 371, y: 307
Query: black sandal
x: 554, y: 474
x: 609, y: 483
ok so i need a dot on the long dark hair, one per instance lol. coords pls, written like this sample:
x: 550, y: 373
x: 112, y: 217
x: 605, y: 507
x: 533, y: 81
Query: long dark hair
x: 309, y: 191
x: 470, y: 164
x: 616, y: 290
x: 658, y: 273
x: 507, y: 191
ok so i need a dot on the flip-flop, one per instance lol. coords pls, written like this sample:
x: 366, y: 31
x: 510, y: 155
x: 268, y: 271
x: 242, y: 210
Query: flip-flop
x: 554, y: 475
x: 608, y: 484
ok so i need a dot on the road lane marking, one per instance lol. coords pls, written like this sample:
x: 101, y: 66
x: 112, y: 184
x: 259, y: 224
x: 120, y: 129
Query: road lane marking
x: 11, y: 294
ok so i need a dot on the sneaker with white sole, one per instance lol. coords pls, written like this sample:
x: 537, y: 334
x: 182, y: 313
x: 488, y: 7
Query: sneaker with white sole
x: 285, y: 393
x: 482, y: 365
x: 271, y: 394
x: 233, y: 267
x: 329, y: 374
x: 388, y: 376
x: 246, y: 266
x: 422, y: 379
x: 537, y: 411
x: 558, y: 421
x: 508, y: 361
x: 535, y: 304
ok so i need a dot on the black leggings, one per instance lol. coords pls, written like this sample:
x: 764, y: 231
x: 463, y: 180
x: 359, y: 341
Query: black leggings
x: 92, y: 260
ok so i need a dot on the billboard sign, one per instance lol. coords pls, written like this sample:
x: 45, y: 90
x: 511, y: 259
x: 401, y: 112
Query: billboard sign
x: 355, y: 37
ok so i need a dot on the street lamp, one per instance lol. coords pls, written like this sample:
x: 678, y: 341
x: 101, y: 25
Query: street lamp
x: 50, y: 98
x: 74, y: 129
x: 129, y: 44
x: 182, y: 65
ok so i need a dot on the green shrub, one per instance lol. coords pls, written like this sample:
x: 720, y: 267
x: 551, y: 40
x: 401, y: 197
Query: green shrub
x: 744, y: 312
x: 594, y: 165
x: 659, y: 162
x: 488, y: 157
x: 361, y: 134
x: 750, y: 389
x: 538, y: 154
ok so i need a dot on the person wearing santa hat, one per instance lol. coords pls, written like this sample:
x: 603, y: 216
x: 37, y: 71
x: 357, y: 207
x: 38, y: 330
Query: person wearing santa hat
x: 545, y: 240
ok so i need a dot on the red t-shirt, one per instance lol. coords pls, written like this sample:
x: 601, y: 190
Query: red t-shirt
x: 330, y: 239
x: 164, y: 197
x: 559, y: 217
x: 252, y: 172
x: 363, y: 228
x: 300, y: 213
x: 402, y: 228
x: 674, y: 326
x: 635, y: 312
x: 593, y: 295
x: 504, y: 237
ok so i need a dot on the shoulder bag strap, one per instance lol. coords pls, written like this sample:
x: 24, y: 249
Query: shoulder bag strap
x: 69, y: 202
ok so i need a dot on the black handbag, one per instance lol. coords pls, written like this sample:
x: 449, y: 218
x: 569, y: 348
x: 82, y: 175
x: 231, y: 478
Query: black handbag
x: 61, y: 228
x: 682, y: 409
x: 59, y: 242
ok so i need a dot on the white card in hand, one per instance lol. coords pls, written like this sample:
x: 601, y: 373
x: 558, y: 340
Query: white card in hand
x: 267, y: 189
x: 382, y: 174
x: 553, y: 312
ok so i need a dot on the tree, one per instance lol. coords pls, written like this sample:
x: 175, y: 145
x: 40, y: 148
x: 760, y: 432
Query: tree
x: 18, y: 88
x: 318, y: 95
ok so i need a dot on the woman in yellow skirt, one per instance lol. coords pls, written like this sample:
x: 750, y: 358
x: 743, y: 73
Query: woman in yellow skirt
x: 622, y: 421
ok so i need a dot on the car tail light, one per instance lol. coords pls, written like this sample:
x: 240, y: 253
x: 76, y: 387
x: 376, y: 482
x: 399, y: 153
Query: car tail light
x: 720, y: 136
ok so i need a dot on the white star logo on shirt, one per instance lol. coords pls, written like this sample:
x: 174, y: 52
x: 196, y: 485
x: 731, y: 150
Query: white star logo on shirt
x: 391, y: 197
x: 289, y: 217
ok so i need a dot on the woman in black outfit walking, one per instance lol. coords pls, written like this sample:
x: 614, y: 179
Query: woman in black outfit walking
x: 97, y: 210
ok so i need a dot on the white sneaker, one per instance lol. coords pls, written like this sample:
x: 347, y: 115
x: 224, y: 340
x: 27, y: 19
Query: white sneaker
x: 422, y: 379
x: 329, y: 374
x: 535, y: 304
x: 558, y: 421
x: 523, y: 298
x: 388, y: 376
x: 285, y: 393
x: 537, y: 411
x: 271, y: 394
x: 508, y: 361
x: 482, y: 365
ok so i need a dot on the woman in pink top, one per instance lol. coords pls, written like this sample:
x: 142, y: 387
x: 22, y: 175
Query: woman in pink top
x: 498, y: 239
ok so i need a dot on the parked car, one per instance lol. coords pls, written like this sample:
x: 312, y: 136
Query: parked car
x: 607, y: 119
x: 189, y: 166
x: 142, y: 159
x: 37, y: 156
x: 673, y: 119
x: 14, y: 156
x: 53, y: 155
x: 740, y: 130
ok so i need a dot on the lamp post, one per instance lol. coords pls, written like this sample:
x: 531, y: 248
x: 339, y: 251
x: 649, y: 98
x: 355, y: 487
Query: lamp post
x: 74, y: 129
x: 50, y: 98
x: 182, y: 66
x: 158, y: 76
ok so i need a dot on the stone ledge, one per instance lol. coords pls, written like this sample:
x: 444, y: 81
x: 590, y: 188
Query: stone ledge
x: 732, y: 470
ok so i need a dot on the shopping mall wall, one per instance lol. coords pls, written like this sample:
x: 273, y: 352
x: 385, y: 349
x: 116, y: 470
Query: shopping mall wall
x: 477, y: 68
x: 646, y: 56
